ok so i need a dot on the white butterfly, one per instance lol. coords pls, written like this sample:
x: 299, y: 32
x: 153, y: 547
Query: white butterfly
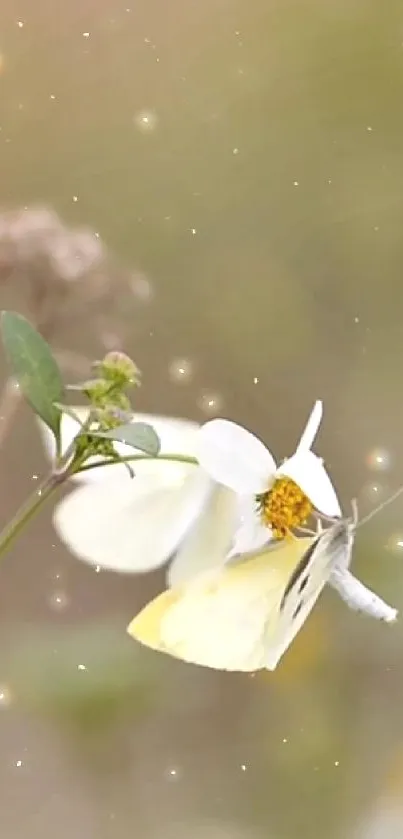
x: 245, y: 615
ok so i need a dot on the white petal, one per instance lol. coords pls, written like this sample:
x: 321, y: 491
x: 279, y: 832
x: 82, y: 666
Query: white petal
x: 177, y: 437
x: 251, y: 534
x: 129, y: 525
x: 307, y: 470
x: 311, y: 428
x: 234, y: 457
x: 206, y: 544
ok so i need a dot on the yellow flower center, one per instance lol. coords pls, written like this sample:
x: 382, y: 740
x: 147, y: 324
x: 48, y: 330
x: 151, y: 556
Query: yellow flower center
x: 284, y: 507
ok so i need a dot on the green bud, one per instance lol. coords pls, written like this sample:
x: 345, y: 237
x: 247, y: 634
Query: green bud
x: 108, y: 416
x: 96, y: 390
x: 119, y: 369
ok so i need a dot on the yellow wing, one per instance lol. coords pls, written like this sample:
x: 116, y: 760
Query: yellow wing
x: 228, y: 618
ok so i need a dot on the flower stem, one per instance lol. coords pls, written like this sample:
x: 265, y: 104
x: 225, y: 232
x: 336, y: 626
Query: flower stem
x: 27, y: 511
x: 177, y: 458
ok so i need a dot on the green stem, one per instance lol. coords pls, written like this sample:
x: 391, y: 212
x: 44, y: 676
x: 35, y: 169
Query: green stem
x: 27, y: 511
x: 177, y: 458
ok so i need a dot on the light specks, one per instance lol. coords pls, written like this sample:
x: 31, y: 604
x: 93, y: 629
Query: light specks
x: 378, y: 459
x: 146, y: 121
x: 172, y: 773
x: 6, y: 697
x: 180, y: 370
x: 210, y: 403
x: 58, y: 601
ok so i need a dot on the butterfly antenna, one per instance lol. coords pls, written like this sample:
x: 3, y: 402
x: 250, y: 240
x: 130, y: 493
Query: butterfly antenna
x: 380, y: 507
x: 354, y: 507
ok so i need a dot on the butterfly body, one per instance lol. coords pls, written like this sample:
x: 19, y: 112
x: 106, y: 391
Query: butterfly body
x: 358, y: 597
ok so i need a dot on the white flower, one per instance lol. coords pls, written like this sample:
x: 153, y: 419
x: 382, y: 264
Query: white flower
x: 272, y: 498
x: 133, y: 524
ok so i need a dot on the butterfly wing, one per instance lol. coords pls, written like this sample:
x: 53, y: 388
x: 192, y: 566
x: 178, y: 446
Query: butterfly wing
x: 225, y: 619
x: 305, y: 585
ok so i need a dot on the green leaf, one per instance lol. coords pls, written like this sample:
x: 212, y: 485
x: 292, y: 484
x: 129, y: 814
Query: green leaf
x: 34, y: 367
x: 139, y: 435
x: 66, y: 409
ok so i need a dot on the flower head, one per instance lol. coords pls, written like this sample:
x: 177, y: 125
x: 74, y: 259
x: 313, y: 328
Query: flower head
x: 273, y: 499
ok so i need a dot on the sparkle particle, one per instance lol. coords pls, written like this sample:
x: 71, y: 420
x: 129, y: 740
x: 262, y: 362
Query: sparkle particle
x: 172, y: 773
x: 378, y: 459
x: 180, y: 370
x: 146, y: 121
x: 210, y: 403
x: 5, y: 697
x: 58, y: 601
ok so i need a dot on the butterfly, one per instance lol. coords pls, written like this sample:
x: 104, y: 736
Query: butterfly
x: 244, y: 615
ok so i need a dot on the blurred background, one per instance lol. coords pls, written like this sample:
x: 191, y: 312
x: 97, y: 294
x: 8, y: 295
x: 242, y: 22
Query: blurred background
x: 217, y: 189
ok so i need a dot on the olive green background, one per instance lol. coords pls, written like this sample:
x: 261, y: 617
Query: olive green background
x: 244, y: 164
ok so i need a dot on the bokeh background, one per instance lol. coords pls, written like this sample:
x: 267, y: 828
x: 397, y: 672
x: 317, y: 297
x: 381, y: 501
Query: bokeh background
x: 216, y: 188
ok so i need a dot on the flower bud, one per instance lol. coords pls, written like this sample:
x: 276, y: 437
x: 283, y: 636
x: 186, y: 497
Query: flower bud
x: 118, y: 368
